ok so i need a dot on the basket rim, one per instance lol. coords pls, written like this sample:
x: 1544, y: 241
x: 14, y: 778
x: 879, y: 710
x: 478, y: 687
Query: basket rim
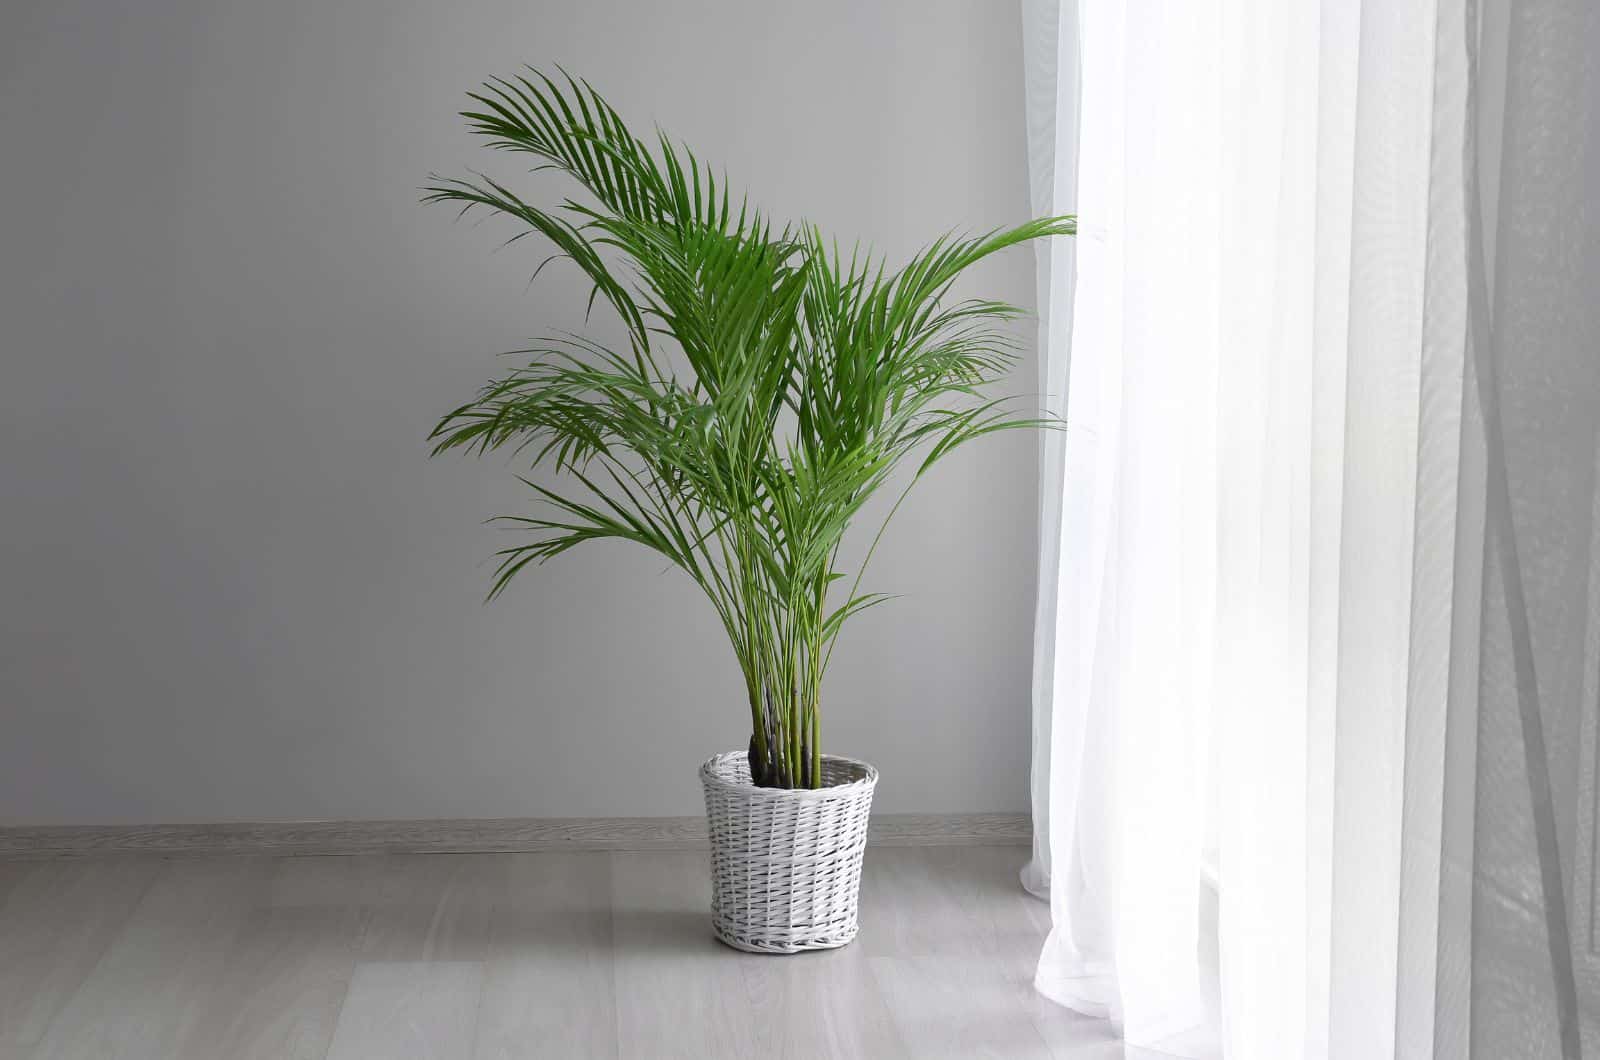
x: 866, y: 782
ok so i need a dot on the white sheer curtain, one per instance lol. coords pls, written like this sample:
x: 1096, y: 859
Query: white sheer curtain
x: 1270, y: 569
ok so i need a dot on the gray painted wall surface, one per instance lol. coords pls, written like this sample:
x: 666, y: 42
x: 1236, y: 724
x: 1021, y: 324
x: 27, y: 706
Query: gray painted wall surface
x: 233, y: 585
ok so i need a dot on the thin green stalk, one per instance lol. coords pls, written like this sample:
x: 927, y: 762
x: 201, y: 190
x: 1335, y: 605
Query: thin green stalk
x: 816, y: 741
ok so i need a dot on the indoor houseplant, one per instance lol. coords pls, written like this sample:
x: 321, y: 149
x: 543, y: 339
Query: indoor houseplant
x: 769, y: 384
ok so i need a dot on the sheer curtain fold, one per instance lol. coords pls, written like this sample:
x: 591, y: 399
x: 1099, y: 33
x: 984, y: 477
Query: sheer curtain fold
x: 1252, y: 572
x: 1051, y: 97
x: 1268, y: 575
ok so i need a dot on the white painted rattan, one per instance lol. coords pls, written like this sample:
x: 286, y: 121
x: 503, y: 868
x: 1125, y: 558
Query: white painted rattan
x: 786, y: 864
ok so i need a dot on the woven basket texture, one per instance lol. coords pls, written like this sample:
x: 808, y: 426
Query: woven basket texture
x: 786, y: 864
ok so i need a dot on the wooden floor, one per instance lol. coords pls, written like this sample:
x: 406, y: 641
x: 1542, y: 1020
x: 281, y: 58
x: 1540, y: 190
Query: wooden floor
x: 386, y: 957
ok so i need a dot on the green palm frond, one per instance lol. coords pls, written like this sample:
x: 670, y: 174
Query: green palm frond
x: 770, y: 386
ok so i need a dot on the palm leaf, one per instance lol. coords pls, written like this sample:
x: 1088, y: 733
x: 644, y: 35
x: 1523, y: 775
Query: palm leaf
x: 770, y: 387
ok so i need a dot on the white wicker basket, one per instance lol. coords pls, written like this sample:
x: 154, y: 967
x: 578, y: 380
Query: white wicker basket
x: 786, y: 864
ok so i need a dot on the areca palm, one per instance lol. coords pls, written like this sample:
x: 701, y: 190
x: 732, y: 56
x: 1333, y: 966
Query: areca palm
x: 768, y: 385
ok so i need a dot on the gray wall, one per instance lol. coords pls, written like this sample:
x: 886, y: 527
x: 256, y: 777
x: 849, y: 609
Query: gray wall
x: 234, y: 586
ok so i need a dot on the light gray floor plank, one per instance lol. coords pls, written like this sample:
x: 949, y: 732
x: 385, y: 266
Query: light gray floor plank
x: 502, y: 956
x: 11, y: 874
x: 432, y: 907
x: 949, y: 901
x: 58, y: 920
x: 328, y: 882
x: 149, y: 989
x: 954, y: 941
x: 831, y: 1006
x: 409, y: 1010
x: 286, y: 975
x: 681, y: 993
x: 980, y: 1007
x: 548, y: 988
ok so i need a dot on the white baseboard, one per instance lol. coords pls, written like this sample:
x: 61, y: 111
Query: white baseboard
x: 466, y: 836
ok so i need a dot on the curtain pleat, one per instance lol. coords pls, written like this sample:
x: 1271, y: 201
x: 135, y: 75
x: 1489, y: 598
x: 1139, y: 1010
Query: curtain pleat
x: 1318, y: 653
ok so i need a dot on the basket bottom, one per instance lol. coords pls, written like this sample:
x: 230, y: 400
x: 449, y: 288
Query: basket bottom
x: 728, y: 937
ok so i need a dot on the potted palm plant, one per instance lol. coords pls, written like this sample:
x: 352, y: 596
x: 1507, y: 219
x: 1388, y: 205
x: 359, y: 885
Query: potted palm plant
x: 768, y: 386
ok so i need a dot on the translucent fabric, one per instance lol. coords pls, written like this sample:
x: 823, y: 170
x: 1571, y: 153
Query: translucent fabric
x: 1318, y: 650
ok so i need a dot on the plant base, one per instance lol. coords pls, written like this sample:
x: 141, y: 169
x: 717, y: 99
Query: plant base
x: 786, y: 863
